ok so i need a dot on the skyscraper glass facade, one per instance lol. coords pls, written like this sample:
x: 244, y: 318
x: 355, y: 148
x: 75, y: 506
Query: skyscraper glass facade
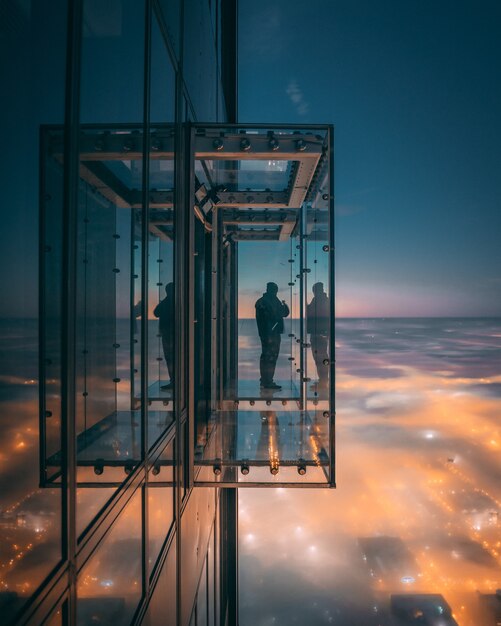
x: 99, y: 517
x: 152, y: 223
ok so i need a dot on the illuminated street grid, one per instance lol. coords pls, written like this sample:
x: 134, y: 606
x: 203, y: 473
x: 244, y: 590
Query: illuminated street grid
x: 416, y: 509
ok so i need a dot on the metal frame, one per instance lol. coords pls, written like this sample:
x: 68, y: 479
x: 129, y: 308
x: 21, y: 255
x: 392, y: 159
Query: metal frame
x: 206, y: 143
x: 286, y: 220
x: 59, y: 589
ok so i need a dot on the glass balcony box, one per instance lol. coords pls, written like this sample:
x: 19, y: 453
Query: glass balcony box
x: 254, y: 302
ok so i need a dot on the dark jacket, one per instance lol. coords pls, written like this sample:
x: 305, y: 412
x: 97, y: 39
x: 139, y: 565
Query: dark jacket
x: 269, y: 315
x: 318, y: 315
x: 165, y: 312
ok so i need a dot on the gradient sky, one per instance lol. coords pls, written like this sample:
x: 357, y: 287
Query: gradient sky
x: 413, y: 89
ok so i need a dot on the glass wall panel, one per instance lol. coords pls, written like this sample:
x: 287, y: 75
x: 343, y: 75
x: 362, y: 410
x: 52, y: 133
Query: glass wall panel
x: 202, y: 604
x: 171, y: 13
x: 200, y: 59
x: 112, y: 62
x: 319, y: 315
x: 108, y: 341
x: 160, y: 501
x: 109, y: 263
x: 262, y: 242
x: 161, y: 235
x: 33, y: 52
x: 58, y: 618
x: 163, y: 605
x: 110, y: 583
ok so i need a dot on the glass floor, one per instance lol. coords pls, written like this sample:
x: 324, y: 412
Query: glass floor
x: 264, y: 445
x: 116, y: 439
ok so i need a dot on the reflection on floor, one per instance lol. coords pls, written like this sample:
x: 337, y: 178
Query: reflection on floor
x: 256, y: 436
x: 157, y: 391
x: 251, y: 390
x: 116, y: 439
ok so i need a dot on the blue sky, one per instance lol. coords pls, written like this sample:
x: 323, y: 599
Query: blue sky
x: 414, y: 92
x: 413, y: 89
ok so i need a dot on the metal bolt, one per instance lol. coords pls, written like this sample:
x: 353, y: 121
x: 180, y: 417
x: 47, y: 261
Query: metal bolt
x: 244, y: 469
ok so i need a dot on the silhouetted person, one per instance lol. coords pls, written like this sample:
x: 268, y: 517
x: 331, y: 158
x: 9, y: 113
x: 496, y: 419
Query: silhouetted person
x: 270, y: 324
x: 165, y: 313
x: 318, y: 325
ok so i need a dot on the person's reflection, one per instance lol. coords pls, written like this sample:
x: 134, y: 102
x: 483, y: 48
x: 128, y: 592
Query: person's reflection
x: 136, y: 312
x: 165, y: 313
x: 270, y: 324
x: 269, y: 445
x: 317, y: 325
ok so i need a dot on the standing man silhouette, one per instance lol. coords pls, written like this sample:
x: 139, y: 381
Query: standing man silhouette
x: 165, y: 312
x: 270, y: 324
x: 318, y: 325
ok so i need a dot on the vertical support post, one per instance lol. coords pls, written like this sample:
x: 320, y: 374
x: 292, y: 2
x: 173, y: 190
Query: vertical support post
x: 215, y: 295
x: 229, y: 557
x: 182, y: 340
x: 233, y: 312
x: 189, y: 166
x: 132, y: 308
x: 302, y: 308
x: 332, y: 313
x: 144, y: 287
x: 69, y: 289
x: 229, y: 57
x: 220, y: 315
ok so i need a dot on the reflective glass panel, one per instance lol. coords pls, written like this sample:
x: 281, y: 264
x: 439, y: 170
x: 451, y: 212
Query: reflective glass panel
x: 109, y: 309
x: 109, y: 251
x: 162, y: 608
x: 109, y: 585
x: 263, y: 316
x: 160, y: 501
x: 58, y: 617
x: 161, y: 236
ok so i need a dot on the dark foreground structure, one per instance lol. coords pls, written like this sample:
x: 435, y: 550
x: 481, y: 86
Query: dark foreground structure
x: 155, y: 203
